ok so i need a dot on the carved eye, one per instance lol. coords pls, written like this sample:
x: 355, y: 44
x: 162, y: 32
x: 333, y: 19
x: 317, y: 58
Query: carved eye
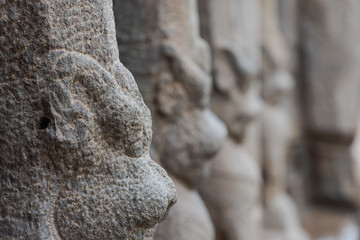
x: 224, y: 74
x: 44, y: 122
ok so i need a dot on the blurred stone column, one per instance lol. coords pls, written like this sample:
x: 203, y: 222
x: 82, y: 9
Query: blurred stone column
x: 281, y: 216
x: 330, y: 71
x: 232, y: 191
x: 159, y: 41
x: 298, y: 160
x: 288, y: 16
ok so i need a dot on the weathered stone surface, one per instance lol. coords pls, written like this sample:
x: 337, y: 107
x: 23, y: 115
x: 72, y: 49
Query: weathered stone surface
x: 297, y: 167
x: 236, y: 66
x: 288, y: 24
x: 330, y: 37
x: 280, y: 212
x: 232, y: 191
x: 282, y: 219
x: 330, y: 60
x: 189, y: 218
x: 332, y: 167
x: 74, y: 131
x: 277, y: 129
x: 331, y: 224
x: 355, y: 166
x: 159, y: 41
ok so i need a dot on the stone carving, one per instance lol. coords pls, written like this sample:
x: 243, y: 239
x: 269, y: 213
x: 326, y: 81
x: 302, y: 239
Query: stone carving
x: 171, y: 63
x: 75, y: 133
x: 288, y: 23
x: 355, y: 168
x: 232, y: 191
x: 280, y: 211
x: 281, y: 217
x: 297, y: 163
x: 330, y: 59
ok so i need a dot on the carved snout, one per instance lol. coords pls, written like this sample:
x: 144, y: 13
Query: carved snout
x: 212, y: 131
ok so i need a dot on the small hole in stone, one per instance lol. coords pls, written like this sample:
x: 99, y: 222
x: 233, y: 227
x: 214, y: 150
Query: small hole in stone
x: 44, y: 122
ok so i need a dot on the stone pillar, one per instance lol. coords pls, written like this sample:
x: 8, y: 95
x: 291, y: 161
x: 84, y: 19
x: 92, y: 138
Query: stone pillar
x: 232, y: 191
x: 281, y: 216
x: 330, y: 60
x: 159, y: 41
x: 74, y: 131
x: 355, y: 168
x: 298, y: 161
x: 288, y: 15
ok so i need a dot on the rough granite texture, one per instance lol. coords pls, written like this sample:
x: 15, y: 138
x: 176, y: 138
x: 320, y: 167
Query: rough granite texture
x: 74, y: 131
x: 159, y: 42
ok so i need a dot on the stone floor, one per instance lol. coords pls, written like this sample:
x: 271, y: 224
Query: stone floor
x: 327, y: 224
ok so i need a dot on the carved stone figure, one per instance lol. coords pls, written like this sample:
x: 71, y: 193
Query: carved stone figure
x: 330, y: 68
x: 355, y: 169
x: 297, y: 162
x: 280, y: 214
x: 74, y: 131
x: 288, y: 15
x: 281, y: 217
x: 232, y: 191
x: 159, y: 41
